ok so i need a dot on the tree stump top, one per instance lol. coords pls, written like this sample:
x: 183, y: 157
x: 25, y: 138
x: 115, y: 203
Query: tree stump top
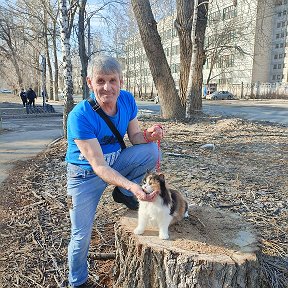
x: 207, y: 233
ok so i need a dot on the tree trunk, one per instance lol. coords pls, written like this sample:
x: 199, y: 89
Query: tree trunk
x: 183, y: 24
x: 56, y: 71
x: 48, y: 61
x: 162, y: 77
x: 67, y: 64
x: 82, y: 48
x: 194, y: 89
x: 211, y: 248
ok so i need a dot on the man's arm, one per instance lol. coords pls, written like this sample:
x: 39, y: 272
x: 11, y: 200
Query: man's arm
x: 136, y: 136
x: 92, y: 152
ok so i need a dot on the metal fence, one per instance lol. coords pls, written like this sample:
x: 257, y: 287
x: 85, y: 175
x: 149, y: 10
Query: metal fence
x: 257, y: 90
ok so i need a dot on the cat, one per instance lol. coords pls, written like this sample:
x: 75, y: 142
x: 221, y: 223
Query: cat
x: 168, y: 208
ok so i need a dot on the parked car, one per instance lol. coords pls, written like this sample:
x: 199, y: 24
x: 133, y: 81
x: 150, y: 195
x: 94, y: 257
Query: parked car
x: 220, y: 95
x: 6, y: 91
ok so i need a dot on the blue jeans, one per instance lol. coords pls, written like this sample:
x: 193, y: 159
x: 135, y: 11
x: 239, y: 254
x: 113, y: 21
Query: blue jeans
x: 86, y: 189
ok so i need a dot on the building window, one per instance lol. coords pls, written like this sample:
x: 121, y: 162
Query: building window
x: 167, y: 51
x: 175, y: 68
x: 278, y: 25
x: 175, y: 50
x: 277, y: 36
x: 214, y: 17
x: 229, y: 12
x: 174, y: 32
x: 274, y: 77
x: 277, y: 46
x: 276, y: 56
x: 275, y: 66
x: 279, y: 66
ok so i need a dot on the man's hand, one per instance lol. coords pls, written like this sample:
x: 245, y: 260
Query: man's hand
x: 155, y: 132
x: 142, y: 196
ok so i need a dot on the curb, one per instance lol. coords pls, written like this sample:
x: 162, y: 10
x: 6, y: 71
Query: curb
x: 34, y: 115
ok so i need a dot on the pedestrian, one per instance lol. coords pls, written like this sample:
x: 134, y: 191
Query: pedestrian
x: 95, y: 158
x: 44, y: 95
x: 31, y: 96
x: 23, y: 97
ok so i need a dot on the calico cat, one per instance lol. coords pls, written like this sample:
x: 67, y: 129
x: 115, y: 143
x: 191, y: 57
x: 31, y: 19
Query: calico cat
x: 168, y: 208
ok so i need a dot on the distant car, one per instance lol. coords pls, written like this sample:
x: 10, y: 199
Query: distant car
x: 6, y: 91
x: 220, y: 95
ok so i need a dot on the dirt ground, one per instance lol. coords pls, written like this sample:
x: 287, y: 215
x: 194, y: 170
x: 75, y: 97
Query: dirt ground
x: 244, y: 171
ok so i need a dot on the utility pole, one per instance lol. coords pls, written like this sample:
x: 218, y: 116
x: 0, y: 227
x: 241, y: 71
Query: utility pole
x: 43, y: 71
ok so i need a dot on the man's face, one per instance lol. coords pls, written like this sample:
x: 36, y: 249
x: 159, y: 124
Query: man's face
x: 106, y: 87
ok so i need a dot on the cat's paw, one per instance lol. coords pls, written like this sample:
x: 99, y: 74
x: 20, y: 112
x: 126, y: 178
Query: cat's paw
x: 163, y: 236
x: 138, y: 231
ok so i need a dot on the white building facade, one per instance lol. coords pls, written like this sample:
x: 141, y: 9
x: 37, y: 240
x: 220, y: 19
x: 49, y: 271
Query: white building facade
x: 246, y: 47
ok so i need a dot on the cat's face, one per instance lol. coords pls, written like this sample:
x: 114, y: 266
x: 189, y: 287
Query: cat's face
x: 151, y: 182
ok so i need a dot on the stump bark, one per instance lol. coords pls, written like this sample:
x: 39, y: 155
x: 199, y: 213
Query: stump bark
x: 211, y: 248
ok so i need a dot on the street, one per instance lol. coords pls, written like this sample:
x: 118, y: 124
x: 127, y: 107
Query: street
x: 275, y: 111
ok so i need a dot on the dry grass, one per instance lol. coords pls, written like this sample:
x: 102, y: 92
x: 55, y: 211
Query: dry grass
x: 246, y: 174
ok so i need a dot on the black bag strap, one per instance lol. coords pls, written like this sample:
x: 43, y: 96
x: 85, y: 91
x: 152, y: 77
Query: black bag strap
x: 96, y: 107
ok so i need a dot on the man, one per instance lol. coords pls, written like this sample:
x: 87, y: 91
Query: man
x: 31, y: 96
x: 95, y: 158
x: 23, y: 97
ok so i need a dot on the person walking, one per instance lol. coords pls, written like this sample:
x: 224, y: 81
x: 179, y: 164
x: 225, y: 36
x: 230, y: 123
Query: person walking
x: 95, y: 158
x: 31, y: 96
x: 23, y: 97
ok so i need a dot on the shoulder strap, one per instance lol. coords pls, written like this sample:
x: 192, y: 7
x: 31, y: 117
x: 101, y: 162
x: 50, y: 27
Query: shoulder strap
x: 96, y: 107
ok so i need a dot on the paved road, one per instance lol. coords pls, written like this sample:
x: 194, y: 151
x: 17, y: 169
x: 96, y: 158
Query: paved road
x: 24, y: 137
x: 261, y: 110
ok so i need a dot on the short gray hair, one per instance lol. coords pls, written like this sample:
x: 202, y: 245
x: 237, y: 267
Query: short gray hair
x: 103, y: 64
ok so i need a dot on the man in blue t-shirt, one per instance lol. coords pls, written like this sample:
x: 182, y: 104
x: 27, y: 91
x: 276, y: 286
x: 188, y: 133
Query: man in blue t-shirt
x: 95, y: 158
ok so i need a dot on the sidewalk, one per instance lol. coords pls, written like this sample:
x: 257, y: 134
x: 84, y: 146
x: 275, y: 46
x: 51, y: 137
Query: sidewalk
x: 25, y: 135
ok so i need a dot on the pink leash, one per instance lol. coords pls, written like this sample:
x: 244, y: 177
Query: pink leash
x: 158, y: 160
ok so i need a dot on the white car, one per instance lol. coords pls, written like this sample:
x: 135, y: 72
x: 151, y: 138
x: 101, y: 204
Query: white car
x: 6, y: 91
x: 220, y: 95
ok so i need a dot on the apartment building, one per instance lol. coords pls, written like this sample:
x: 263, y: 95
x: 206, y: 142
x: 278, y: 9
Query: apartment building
x: 279, y: 52
x: 137, y: 76
x: 246, y: 45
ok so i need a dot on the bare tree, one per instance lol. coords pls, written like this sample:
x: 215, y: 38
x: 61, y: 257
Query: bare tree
x: 183, y: 24
x: 66, y: 21
x: 194, y: 89
x: 82, y: 46
x: 164, y: 82
x: 52, y: 13
x: 9, y: 46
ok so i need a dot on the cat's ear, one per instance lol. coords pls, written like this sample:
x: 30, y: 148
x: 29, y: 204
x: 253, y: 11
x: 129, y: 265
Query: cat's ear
x: 162, y: 178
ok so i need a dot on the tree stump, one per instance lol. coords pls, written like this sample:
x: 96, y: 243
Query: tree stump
x: 211, y: 248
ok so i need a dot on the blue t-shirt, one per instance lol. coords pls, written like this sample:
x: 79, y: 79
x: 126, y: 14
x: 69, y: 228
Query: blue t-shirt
x: 84, y: 123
